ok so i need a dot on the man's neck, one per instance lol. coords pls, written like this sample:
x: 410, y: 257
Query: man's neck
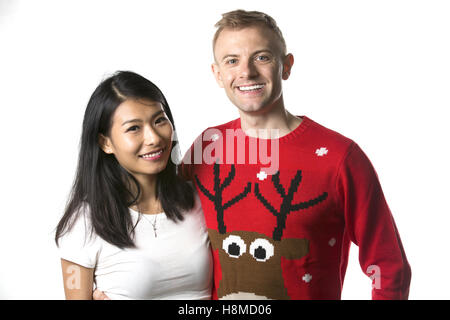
x: 276, y: 120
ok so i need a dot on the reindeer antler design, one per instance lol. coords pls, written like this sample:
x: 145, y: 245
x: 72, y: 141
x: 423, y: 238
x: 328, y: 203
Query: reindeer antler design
x: 286, y: 206
x: 217, y: 199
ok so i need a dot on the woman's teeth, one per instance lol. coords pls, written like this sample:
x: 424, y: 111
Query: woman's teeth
x: 152, y: 155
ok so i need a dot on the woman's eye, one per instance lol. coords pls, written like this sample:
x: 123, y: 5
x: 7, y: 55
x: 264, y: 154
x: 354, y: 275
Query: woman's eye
x: 161, y: 120
x: 133, y: 128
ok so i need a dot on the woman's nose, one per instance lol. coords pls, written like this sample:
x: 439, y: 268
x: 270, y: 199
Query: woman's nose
x: 151, y: 136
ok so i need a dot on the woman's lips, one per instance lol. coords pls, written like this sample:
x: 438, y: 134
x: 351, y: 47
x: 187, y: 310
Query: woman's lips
x: 154, y: 155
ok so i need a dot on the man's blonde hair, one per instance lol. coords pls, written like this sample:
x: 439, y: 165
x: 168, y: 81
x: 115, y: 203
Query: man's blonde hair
x: 239, y: 19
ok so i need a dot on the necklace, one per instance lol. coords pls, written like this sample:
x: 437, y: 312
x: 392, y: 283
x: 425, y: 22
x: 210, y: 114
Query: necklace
x: 152, y: 223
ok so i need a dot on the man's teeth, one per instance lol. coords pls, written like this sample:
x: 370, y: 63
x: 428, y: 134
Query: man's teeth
x: 151, y: 155
x: 248, y: 88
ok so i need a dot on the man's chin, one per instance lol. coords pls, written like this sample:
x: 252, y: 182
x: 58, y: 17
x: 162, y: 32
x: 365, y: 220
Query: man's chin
x: 252, y: 110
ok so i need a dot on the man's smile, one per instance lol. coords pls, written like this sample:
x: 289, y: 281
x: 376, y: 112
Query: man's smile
x: 251, y: 87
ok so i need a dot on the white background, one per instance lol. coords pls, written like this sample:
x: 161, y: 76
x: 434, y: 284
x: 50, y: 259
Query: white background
x: 376, y: 71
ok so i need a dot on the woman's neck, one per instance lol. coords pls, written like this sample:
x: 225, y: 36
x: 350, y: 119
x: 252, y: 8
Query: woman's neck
x: 147, y: 203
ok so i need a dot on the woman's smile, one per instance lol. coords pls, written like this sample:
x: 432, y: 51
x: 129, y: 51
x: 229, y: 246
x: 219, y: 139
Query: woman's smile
x: 153, y: 155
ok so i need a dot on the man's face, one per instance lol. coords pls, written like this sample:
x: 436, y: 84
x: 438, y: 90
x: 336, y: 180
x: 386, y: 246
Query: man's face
x: 249, y: 65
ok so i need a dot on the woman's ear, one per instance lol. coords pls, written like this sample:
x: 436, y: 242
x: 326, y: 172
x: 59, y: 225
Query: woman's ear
x: 105, y: 144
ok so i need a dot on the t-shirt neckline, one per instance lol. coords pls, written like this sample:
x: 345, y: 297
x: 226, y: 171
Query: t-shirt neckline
x: 136, y: 213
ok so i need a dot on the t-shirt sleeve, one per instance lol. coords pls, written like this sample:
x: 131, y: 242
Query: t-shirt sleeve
x: 370, y: 225
x: 78, y: 245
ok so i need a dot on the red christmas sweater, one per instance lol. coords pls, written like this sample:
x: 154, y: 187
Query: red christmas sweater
x: 281, y: 214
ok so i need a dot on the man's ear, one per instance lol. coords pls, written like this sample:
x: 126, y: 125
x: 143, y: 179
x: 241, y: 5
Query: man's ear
x: 288, y: 61
x: 105, y: 144
x: 217, y: 74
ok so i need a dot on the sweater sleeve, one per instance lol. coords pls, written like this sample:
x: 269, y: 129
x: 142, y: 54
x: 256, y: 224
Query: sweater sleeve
x: 192, y: 157
x: 185, y: 168
x: 370, y: 225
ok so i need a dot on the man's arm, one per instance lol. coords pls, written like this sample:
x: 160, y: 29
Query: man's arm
x: 78, y: 281
x: 370, y: 225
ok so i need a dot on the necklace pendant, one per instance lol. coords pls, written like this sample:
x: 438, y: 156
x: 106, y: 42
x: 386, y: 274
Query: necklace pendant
x: 153, y: 223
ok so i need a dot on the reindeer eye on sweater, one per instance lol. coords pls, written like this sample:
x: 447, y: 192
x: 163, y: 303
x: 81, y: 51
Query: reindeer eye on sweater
x: 262, y: 250
x: 234, y: 246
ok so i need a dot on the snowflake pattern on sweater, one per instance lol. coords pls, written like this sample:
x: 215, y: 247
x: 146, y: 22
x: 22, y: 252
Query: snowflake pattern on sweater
x: 287, y: 235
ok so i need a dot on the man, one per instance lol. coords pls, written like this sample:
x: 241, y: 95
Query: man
x: 283, y: 231
x: 283, y: 196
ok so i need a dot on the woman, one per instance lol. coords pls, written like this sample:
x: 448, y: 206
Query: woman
x: 132, y: 226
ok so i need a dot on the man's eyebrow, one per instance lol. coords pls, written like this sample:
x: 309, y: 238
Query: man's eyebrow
x: 229, y: 56
x: 139, y: 120
x: 253, y: 54
x: 262, y: 51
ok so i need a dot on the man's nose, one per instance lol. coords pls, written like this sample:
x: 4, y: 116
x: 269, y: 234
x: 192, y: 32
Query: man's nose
x: 248, y: 69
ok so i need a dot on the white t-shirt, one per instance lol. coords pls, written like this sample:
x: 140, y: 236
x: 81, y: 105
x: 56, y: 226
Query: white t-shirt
x: 176, y: 264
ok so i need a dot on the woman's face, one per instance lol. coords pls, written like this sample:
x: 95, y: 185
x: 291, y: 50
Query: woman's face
x: 140, y: 137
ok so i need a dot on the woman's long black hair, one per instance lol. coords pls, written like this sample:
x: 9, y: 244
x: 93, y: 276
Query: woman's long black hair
x: 102, y: 183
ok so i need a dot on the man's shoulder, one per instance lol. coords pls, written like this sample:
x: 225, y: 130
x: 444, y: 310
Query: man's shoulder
x: 317, y: 133
x: 228, y: 125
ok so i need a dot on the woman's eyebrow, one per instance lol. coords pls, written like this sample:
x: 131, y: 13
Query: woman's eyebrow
x: 131, y: 120
x: 140, y: 120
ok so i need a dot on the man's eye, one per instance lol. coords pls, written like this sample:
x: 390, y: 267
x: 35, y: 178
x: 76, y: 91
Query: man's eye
x: 231, y: 61
x: 262, y: 58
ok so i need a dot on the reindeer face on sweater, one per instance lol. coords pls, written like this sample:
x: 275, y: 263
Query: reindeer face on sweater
x: 251, y: 261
